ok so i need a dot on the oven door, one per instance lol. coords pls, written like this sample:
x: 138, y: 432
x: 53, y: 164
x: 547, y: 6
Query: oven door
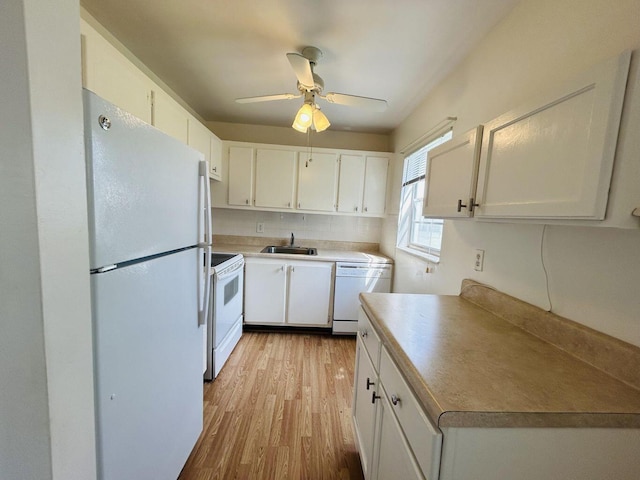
x: 227, y: 301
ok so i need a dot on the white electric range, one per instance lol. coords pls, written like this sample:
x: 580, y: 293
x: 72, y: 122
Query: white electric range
x: 224, y: 325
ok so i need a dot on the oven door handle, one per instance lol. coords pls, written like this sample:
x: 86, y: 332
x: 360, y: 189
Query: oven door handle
x: 230, y: 271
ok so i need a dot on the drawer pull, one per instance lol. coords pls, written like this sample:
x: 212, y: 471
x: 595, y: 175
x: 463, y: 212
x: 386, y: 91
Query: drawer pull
x: 369, y: 383
x: 395, y: 399
x: 374, y: 397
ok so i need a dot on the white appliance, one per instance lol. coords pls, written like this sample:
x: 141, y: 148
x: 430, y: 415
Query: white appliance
x: 353, y: 278
x: 149, y: 226
x: 224, y: 327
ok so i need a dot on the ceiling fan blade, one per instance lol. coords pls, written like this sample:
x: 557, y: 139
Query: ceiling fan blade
x: 268, y: 98
x: 302, y: 69
x: 374, y: 104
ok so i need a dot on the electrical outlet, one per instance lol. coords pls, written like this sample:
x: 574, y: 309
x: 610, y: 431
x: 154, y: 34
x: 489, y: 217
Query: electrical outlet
x: 478, y: 260
x: 259, y: 227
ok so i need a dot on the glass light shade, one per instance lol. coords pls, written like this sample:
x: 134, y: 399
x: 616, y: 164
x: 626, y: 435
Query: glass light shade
x: 303, y: 119
x: 320, y: 120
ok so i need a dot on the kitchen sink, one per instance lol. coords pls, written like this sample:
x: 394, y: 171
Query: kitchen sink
x: 289, y: 250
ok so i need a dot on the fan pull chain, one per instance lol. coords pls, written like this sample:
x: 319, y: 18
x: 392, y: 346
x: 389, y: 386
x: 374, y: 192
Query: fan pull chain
x: 306, y: 165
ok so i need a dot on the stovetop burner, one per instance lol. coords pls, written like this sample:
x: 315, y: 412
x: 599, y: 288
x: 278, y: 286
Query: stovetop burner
x: 218, y: 258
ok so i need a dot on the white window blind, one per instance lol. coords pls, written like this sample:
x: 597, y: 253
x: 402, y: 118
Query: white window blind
x: 416, y: 233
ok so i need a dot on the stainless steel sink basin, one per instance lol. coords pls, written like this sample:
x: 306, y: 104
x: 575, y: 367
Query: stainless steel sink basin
x: 289, y: 250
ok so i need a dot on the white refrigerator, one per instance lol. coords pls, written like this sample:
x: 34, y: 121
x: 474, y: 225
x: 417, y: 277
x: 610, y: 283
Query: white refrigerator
x: 150, y: 232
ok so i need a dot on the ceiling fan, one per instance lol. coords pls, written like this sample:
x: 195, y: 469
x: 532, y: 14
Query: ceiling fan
x: 310, y: 86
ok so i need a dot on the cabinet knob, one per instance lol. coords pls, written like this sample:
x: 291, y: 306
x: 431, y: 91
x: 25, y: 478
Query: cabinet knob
x: 374, y: 397
x: 299, y: 205
x: 366, y: 209
x: 364, y: 334
x: 395, y: 399
x: 460, y: 205
x: 369, y: 383
x: 356, y: 209
x: 215, y: 169
x: 247, y: 201
x: 289, y: 204
x: 472, y: 204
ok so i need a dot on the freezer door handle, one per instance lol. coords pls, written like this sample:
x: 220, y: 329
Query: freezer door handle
x: 206, y: 208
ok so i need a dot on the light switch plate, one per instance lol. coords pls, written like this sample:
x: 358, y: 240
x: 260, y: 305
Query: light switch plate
x: 478, y: 260
x: 259, y: 227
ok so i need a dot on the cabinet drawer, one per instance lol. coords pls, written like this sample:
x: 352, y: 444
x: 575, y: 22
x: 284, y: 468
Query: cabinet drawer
x: 369, y: 338
x: 424, y: 439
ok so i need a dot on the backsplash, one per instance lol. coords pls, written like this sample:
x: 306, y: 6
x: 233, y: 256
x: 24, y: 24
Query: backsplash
x: 302, y: 225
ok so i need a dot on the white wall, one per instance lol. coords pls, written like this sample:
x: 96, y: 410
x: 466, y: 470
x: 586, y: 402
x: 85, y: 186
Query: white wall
x: 288, y: 136
x: 594, y: 273
x: 303, y: 226
x: 46, y: 364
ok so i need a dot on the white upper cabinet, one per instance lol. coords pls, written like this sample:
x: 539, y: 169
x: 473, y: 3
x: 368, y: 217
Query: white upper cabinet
x: 317, y: 181
x: 215, y: 163
x: 375, y: 185
x: 275, y: 178
x: 203, y: 140
x: 170, y: 117
x: 351, y: 188
x: 348, y: 182
x: 240, y: 176
x: 109, y: 74
x: 452, y: 174
x: 553, y: 157
x: 198, y: 138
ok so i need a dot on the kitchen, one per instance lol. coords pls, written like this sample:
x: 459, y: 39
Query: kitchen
x: 593, y: 272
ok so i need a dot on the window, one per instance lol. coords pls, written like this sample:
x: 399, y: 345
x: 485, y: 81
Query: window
x: 415, y: 233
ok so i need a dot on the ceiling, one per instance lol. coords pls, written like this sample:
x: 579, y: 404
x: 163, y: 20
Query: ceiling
x: 213, y: 51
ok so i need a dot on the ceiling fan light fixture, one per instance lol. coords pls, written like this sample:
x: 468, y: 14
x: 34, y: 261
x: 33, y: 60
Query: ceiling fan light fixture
x: 320, y: 120
x: 304, y: 118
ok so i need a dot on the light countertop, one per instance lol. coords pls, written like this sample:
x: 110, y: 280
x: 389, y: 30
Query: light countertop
x: 471, y: 368
x: 325, y: 255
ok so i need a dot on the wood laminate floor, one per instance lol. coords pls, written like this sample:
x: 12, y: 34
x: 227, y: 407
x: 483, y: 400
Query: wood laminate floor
x: 280, y: 409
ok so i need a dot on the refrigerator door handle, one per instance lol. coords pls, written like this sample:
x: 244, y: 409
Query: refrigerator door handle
x: 203, y: 311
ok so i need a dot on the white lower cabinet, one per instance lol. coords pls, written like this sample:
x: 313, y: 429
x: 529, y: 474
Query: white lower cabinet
x: 265, y: 289
x: 279, y: 292
x: 395, y: 438
x: 364, y: 406
x: 394, y: 457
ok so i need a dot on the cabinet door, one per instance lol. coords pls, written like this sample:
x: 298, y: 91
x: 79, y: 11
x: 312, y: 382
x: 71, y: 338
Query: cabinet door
x: 393, y: 458
x: 198, y: 136
x: 375, y: 185
x: 240, y: 176
x: 215, y: 163
x: 264, y: 292
x: 170, y: 117
x: 309, y: 293
x: 452, y: 175
x: 553, y: 158
x: 317, y: 181
x: 275, y: 175
x: 351, y: 187
x: 112, y: 76
x: 363, y: 408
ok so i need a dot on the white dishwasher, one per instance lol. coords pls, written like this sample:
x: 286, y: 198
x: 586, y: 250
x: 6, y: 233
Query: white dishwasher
x: 353, y: 278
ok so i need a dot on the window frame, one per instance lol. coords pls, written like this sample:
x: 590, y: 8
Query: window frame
x: 408, y: 217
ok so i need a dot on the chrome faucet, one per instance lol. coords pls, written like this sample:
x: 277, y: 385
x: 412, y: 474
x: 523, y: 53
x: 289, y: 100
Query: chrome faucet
x: 292, y: 240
